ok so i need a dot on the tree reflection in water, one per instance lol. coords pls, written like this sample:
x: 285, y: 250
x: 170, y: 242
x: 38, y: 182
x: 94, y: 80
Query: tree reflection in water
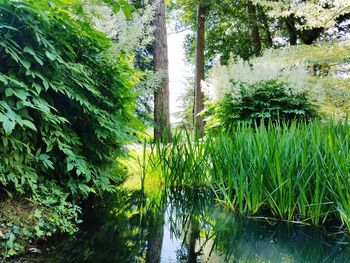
x: 186, y: 225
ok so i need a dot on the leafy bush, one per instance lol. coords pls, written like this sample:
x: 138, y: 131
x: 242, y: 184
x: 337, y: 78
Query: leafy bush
x: 262, y: 102
x: 66, y: 105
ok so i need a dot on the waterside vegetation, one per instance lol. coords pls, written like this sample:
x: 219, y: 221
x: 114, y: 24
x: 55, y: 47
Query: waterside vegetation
x: 66, y: 108
x: 296, y: 172
x: 267, y: 134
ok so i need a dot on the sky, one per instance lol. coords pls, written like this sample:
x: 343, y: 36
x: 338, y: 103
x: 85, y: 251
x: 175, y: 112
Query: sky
x: 178, y: 70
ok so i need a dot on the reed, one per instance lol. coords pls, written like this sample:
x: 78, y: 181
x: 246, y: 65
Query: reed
x: 296, y: 172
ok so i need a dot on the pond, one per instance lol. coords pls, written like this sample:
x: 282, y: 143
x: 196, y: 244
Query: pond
x: 188, y: 226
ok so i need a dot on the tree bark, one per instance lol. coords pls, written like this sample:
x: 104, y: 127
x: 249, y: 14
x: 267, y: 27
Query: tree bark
x: 200, y: 69
x: 162, y: 128
x: 292, y: 31
x: 269, y: 41
x: 254, y: 28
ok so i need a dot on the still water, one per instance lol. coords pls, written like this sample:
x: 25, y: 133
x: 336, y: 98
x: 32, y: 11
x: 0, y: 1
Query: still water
x: 187, y: 226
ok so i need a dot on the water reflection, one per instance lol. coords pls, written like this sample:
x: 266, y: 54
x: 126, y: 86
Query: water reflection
x: 187, y: 226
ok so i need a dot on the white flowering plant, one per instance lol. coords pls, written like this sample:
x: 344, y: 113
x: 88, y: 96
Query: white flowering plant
x: 129, y: 32
x: 321, y: 71
x: 270, y: 66
x: 313, y: 13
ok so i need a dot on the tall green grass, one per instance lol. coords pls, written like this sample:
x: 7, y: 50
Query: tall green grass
x: 299, y: 172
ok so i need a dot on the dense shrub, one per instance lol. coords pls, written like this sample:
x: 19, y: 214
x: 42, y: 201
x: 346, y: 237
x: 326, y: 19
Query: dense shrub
x: 65, y: 104
x: 263, y: 102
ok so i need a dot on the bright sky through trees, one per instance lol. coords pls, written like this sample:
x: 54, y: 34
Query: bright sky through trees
x: 178, y: 71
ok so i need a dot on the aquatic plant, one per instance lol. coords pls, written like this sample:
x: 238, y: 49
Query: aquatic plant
x: 295, y: 172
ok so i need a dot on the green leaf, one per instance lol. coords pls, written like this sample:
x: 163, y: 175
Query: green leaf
x: 37, y: 87
x: 16, y: 82
x: 51, y: 56
x: 46, y: 84
x: 70, y: 167
x: 3, y: 79
x: 127, y: 8
x: 3, y: 117
x: 8, y: 126
x: 30, y: 51
x: 29, y: 124
x: 9, y: 92
x: 26, y: 63
x: 5, y: 141
x: 9, y: 27
x: 21, y: 94
x: 38, y: 231
x: 11, y: 252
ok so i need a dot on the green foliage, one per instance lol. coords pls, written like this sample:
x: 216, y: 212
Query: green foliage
x: 321, y: 70
x: 263, y: 101
x: 121, y: 5
x: 22, y: 221
x: 227, y: 28
x: 66, y: 107
x: 64, y: 103
x: 296, y: 172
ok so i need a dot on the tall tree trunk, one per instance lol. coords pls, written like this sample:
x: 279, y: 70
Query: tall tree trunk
x: 254, y: 29
x: 269, y: 41
x: 162, y: 129
x: 200, y: 71
x: 292, y: 31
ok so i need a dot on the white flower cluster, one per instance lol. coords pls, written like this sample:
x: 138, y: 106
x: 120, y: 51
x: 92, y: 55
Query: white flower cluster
x: 128, y: 34
x: 316, y: 13
x: 270, y: 66
x: 151, y: 83
x: 343, y: 72
x: 322, y: 70
x: 340, y: 32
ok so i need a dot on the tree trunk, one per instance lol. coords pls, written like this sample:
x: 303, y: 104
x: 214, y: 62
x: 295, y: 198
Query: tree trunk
x: 254, y: 29
x: 269, y: 41
x: 309, y: 36
x: 292, y: 31
x: 200, y: 71
x: 162, y: 129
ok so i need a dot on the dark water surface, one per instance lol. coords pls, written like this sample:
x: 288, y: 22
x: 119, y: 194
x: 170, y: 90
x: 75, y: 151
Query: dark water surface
x: 188, y: 227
